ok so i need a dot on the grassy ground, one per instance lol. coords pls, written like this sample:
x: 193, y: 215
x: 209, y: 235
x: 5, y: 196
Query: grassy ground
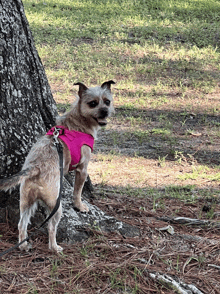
x: 164, y: 57
x: 159, y: 154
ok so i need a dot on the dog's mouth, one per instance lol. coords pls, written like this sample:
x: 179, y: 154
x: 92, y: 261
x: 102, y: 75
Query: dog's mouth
x: 101, y: 121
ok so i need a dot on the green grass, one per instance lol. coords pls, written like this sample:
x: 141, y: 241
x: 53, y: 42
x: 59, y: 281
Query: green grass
x: 202, y: 173
x: 148, y: 47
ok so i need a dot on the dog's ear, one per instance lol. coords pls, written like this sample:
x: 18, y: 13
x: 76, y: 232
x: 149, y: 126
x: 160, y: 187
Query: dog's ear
x: 82, y: 88
x: 107, y: 85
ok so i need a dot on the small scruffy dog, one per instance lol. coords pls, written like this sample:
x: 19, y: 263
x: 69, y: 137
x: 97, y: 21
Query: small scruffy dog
x: 39, y: 178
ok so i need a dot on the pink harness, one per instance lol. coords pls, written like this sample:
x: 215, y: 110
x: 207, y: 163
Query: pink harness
x: 74, y: 141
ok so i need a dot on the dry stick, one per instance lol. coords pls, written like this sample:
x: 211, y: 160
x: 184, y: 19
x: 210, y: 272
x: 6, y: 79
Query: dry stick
x: 170, y: 281
x: 178, y: 286
x: 189, y: 221
x: 215, y: 266
x: 198, y: 239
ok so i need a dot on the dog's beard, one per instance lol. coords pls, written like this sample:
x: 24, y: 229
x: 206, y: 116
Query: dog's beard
x: 101, y: 121
x: 102, y: 116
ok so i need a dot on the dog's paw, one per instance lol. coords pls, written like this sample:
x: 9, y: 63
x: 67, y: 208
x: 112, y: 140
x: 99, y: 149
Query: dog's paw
x: 25, y: 247
x: 81, y: 207
x: 59, y: 249
x: 56, y: 248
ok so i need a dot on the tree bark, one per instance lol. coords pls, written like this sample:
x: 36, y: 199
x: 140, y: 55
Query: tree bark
x: 27, y: 111
x: 27, y: 107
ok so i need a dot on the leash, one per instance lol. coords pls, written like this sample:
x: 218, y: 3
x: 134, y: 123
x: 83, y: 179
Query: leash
x: 59, y: 148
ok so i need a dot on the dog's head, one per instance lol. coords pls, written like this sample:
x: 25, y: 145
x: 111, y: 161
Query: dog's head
x: 95, y: 103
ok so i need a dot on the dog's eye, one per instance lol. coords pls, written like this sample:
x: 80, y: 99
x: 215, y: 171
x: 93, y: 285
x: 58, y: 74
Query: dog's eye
x: 107, y: 102
x: 93, y: 104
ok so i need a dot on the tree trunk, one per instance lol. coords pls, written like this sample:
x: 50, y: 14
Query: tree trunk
x: 28, y: 110
x: 27, y: 107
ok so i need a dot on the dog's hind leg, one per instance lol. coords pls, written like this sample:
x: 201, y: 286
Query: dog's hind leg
x: 25, y: 215
x: 52, y: 230
x: 28, y: 206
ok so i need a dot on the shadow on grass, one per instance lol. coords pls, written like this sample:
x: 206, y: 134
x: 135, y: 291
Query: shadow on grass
x: 176, y: 135
x: 178, y: 22
x: 190, y: 33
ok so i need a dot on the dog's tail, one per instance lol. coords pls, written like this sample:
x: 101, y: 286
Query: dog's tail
x: 13, y: 181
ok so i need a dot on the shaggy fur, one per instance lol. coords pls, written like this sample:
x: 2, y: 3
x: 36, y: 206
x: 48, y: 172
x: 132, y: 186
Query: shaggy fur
x: 39, y: 178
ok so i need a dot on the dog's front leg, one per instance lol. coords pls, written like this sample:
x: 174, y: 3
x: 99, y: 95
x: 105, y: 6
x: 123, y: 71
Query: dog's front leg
x: 81, y: 175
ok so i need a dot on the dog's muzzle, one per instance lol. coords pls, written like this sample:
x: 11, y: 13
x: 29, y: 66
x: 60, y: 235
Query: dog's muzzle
x: 101, y: 119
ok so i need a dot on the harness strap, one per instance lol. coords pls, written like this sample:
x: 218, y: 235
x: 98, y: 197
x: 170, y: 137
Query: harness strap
x: 59, y: 148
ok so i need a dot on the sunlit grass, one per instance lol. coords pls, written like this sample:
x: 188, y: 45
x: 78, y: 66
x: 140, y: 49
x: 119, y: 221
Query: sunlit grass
x: 163, y: 55
x: 164, y: 45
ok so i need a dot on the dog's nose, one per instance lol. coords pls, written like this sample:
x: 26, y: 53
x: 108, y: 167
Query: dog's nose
x: 103, y: 113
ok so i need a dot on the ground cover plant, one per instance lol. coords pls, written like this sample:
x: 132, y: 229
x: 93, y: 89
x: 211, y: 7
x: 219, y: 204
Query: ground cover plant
x: 158, y: 159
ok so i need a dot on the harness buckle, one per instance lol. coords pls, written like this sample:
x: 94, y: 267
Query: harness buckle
x: 56, y: 134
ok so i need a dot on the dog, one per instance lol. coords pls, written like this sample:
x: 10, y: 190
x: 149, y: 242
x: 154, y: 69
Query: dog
x: 39, y: 178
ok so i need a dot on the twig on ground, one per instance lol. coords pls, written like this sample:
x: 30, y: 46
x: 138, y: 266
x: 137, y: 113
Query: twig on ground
x: 215, y: 266
x: 180, y: 287
x: 189, y: 221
